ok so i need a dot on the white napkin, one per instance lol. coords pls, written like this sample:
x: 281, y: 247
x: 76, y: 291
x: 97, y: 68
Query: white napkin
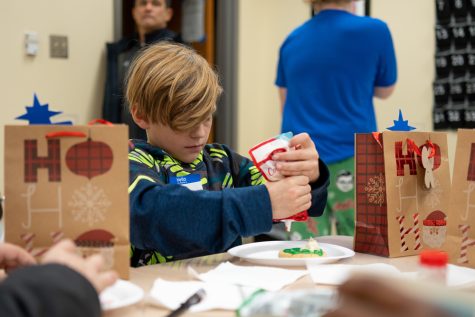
x: 172, y: 294
x: 336, y: 274
x: 265, y: 277
x: 459, y: 276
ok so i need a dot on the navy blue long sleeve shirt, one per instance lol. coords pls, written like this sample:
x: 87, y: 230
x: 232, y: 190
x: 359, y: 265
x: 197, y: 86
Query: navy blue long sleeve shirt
x: 171, y: 222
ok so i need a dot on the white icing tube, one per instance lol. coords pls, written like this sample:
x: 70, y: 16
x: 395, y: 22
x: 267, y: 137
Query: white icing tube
x: 288, y: 224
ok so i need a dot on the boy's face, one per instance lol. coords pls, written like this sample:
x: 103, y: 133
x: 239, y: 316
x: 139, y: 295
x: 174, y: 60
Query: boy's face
x: 184, y: 146
x: 151, y: 15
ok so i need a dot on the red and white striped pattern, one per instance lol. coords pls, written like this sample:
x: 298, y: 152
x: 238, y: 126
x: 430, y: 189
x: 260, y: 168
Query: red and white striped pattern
x: 417, y: 232
x: 403, y: 232
x: 28, y: 240
x: 56, y: 236
x: 466, y: 243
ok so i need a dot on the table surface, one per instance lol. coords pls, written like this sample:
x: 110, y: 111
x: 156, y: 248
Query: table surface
x: 145, y: 276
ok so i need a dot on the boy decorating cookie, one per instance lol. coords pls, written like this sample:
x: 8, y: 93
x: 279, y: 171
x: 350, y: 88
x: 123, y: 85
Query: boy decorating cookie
x: 189, y: 198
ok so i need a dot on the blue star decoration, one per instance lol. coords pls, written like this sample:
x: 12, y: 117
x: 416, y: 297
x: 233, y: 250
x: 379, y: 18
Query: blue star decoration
x: 40, y: 114
x: 400, y: 124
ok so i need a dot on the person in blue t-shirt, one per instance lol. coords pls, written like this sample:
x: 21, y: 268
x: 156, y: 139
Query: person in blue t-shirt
x: 329, y: 70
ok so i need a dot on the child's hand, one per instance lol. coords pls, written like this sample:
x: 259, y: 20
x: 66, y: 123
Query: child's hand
x: 289, y: 196
x: 12, y: 256
x: 65, y: 252
x: 301, y: 160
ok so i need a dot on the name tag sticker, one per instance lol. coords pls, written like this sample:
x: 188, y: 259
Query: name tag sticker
x: 192, y: 181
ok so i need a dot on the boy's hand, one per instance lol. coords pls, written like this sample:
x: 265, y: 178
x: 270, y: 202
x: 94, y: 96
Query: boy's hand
x: 289, y: 196
x: 12, y: 256
x: 301, y: 160
x: 64, y: 252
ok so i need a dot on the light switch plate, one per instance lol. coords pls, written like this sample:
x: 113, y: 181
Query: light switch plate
x: 58, y: 46
x: 31, y: 43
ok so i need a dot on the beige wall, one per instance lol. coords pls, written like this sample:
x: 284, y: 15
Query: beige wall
x: 413, y: 36
x: 75, y: 85
x: 263, y: 26
x: 414, y: 39
x: 72, y: 85
x: 261, y: 33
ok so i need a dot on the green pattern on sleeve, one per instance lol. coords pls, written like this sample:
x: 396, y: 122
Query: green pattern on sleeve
x: 256, y: 176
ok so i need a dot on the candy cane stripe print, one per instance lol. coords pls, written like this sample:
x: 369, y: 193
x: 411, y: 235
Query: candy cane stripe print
x: 466, y: 243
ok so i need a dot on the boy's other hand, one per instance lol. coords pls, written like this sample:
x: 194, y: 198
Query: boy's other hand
x: 301, y: 160
x: 64, y: 252
x: 289, y: 196
x: 12, y: 256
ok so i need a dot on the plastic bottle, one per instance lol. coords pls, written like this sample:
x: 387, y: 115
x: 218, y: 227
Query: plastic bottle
x: 433, y: 266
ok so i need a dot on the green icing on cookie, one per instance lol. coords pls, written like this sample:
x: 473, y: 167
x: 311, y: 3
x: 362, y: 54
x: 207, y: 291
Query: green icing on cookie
x: 303, y: 251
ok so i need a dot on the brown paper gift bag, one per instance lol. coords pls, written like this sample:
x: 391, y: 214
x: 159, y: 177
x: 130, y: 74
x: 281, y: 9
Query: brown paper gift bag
x: 397, y: 214
x: 461, y: 229
x: 71, y: 182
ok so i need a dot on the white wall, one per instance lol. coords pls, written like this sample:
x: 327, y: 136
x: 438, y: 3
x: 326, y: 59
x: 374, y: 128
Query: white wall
x: 74, y: 85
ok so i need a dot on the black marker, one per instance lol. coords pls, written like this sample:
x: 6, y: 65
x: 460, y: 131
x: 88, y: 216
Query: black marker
x: 192, y: 300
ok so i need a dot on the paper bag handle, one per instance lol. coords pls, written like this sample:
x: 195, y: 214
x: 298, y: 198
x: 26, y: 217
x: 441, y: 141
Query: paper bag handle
x: 100, y: 121
x: 376, y: 136
x: 58, y: 134
x: 416, y: 149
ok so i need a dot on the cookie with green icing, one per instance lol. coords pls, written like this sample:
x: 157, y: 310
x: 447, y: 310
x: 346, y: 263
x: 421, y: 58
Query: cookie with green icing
x: 311, y: 250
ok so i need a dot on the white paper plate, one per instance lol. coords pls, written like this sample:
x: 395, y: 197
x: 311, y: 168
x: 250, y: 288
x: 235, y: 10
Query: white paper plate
x: 122, y: 293
x: 267, y: 253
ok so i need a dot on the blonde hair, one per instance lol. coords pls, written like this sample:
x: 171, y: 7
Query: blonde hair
x: 171, y: 84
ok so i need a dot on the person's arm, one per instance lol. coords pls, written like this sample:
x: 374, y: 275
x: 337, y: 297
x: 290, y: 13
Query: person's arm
x: 13, y: 256
x: 175, y: 220
x: 47, y: 290
x: 386, y: 76
x: 65, y: 285
x: 282, y: 97
x: 302, y: 161
x: 320, y: 191
x: 111, y: 100
x: 280, y: 80
x: 384, y: 92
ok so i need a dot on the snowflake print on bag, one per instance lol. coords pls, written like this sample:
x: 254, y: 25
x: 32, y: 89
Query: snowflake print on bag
x: 376, y: 190
x: 90, y: 204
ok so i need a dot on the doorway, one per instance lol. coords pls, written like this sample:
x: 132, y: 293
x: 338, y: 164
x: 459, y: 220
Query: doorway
x: 219, y: 48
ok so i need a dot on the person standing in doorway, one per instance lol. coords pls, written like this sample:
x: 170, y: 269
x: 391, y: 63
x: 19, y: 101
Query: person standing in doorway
x: 329, y: 70
x: 151, y: 19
